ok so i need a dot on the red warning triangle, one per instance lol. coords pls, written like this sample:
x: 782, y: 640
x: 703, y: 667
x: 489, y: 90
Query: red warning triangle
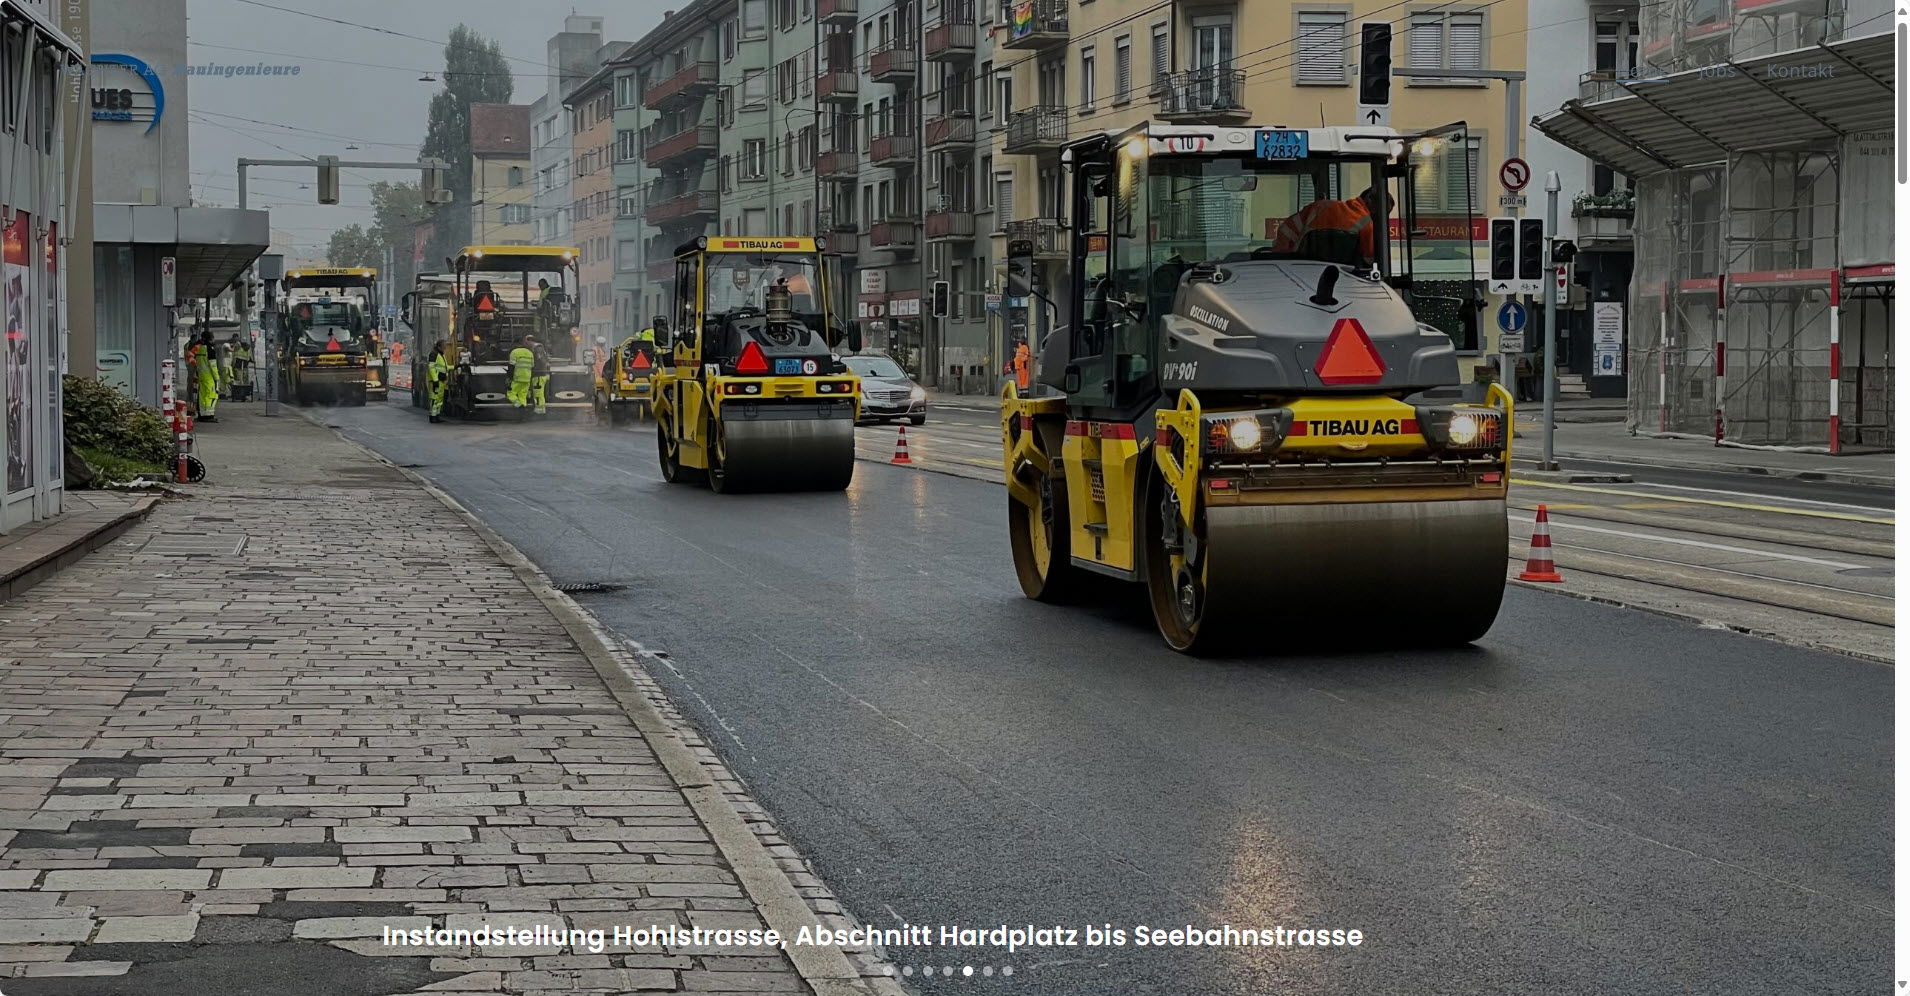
x: 1349, y: 356
x: 640, y: 361
x: 752, y: 361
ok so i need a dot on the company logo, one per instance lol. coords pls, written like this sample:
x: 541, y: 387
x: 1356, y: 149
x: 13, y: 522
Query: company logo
x: 124, y: 103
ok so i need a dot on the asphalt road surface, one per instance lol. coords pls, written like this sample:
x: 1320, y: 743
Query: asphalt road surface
x: 1592, y: 800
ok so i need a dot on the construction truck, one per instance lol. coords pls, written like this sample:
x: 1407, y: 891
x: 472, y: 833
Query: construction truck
x: 483, y: 307
x: 324, y: 349
x: 358, y: 285
x: 1240, y: 406
x: 749, y: 394
x: 623, y: 382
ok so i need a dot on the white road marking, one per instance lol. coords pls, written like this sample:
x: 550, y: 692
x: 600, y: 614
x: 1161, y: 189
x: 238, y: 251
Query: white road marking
x: 1753, y: 494
x: 1660, y: 538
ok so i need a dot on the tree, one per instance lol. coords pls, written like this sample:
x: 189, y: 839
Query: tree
x: 475, y: 72
x: 353, y: 246
x: 396, y: 209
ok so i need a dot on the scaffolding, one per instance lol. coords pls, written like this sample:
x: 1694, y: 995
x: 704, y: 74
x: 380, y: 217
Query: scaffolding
x: 1765, y: 282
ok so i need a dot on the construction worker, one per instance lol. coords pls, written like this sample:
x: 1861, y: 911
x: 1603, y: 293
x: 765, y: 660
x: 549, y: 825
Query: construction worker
x: 224, y: 352
x: 540, y: 375
x: 649, y: 334
x: 205, y: 372
x: 522, y: 361
x: 1354, y: 217
x: 437, y: 377
x: 1024, y: 364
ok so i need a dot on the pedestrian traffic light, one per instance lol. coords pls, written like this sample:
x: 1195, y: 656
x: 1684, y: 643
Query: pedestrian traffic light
x: 1532, y: 249
x: 938, y: 299
x: 328, y: 179
x: 1505, y: 249
x: 1376, y: 63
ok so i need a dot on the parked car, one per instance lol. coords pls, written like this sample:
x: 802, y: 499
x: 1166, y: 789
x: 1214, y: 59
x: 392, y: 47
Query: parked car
x: 888, y: 394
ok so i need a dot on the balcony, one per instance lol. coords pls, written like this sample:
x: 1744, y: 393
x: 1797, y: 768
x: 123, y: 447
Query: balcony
x: 1049, y: 238
x: 952, y: 39
x: 837, y: 12
x: 1603, y: 228
x: 836, y: 164
x: 893, y: 236
x: 1037, y: 129
x: 662, y: 270
x: 840, y: 230
x: 677, y: 207
x: 892, y: 62
x: 949, y: 222
x: 892, y: 150
x: 1205, y: 96
x: 953, y: 130
x: 695, y: 141
x: 1037, y: 25
x: 693, y: 80
x: 837, y: 84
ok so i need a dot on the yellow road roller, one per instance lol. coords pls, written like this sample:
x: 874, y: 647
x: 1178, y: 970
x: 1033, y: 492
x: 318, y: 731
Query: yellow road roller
x: 749, y: 394
x: 1246, y: 402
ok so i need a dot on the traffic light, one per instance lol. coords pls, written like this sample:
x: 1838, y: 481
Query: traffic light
x: 938, y: 299
x: 328, y: 179
x: 433, y: 188
x: 1020, y: 276
x: 1505, y: 249
x: 242, y: 294
x: 1376, y: 63
x: 1532, y: 249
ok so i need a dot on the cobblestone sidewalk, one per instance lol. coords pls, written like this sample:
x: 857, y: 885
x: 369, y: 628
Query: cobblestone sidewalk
x: 310, y: 703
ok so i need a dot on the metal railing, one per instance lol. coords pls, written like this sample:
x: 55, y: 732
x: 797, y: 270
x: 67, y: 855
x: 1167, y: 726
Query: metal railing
x: 1044, y: 127
x: 1216, y: 90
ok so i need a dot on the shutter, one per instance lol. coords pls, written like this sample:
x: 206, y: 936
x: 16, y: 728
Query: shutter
x: 1424, y: 44
x: 1160, y: 57
x: 1123, y: 70
x: 1465, y: 41
x: 1004, y: 198
x: 1428, y: 181
x: 1322, y: 47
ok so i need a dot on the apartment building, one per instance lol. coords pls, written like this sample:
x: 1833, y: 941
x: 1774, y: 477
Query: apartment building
x: 672, y: 197
x: 572, y: 55
x: 628, y: 281
x: 501, y: 189
x: 593, y: 201
x: 1065, y: 70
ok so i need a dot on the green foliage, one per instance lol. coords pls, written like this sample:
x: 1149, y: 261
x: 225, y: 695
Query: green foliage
x: 475, y: 72
x: 110, y: 469
x: 1619, y: 201
x: 100, y: 418
x: 353, y: 246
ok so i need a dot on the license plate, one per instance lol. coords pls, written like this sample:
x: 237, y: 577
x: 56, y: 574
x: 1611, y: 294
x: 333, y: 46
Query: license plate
x: 791, y: 366
x: 1279, y: 143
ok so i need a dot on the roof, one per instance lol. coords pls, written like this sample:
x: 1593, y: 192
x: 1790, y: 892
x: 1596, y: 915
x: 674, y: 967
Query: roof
x: 1800, y: 98
x: 500, y: 129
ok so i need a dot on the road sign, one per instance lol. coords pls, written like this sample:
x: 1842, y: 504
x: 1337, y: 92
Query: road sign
x: 1561, y: 280
x: 1511, y: 202
x: 1514, y: 174
x: 1512, y: 342
x: 168, y: 282
x: 1511, y: 317
x: 391, y: 311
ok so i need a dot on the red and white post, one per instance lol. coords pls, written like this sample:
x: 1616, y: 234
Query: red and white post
x: 1836, y: 361
x: 1717, y: 412
x: 173, y: 408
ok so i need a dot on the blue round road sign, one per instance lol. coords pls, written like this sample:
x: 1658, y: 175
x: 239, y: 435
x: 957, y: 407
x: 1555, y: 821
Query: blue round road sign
x: 1512, y: 317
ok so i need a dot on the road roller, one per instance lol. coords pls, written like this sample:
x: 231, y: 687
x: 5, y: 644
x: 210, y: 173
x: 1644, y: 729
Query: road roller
x: 325, y: 345
x: 748, y: 393
x: 1245, y: 403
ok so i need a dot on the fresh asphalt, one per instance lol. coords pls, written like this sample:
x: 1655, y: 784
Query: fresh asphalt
x: 1592, y: 800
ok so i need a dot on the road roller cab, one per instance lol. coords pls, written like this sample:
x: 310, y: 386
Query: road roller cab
x: 1244, y: 403
x: 623, y: 381
x: 749, y: 394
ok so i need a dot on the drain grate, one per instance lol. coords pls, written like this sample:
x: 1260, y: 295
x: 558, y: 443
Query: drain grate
x: 195, y: 544
x: 591, y: 587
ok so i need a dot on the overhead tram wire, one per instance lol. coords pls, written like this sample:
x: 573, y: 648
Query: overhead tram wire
x: 545, y: 66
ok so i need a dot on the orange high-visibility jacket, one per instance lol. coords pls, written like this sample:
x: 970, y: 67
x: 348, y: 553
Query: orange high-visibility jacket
x: 1320, y: 216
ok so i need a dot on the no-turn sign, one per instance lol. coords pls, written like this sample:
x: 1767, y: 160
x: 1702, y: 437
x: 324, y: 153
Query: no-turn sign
x: 1514, y: 174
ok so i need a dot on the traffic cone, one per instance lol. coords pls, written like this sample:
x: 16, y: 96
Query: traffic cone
x: 901, y: 444
x: 1538, y: 565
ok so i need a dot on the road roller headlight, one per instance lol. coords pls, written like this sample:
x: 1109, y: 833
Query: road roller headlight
x: 1246, y: 433
x: 1463, y: 429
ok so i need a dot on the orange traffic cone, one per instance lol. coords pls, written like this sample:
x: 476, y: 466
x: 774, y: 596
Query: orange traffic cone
x: 901, y: 444
x: 1538, y: 565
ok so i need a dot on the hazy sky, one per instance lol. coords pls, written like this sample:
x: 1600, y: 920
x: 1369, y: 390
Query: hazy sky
x: 380, y: 106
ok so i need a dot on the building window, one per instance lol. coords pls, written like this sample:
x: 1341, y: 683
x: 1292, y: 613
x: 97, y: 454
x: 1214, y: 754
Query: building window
x: 626, y: 255
x: 515, y: 176
x: 515, y: 214
x: 1123, y: 69
x: 1445, y: 40
x: 626, y: 146
x: 755, y: 221
x: 729, y: 40
x: 755, y: 18
x: 1004, y: 198
x: 1322, y: 48
x: 627, y: 202
x: 1162, y: 58
x: 1087, y: 78
x: 755, y: 156
x: 1004, y: 99
x: 755, y: 88
x: 626, y: 91
x: 1214, y: 42
x: 1441, y: 186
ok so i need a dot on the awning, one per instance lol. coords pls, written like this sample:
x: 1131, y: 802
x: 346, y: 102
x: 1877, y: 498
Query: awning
x: 1799, y: 98
x: 213, y: 245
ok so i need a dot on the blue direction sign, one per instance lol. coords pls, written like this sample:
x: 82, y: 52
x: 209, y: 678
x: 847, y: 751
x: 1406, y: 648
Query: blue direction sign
x: 1512, y: 317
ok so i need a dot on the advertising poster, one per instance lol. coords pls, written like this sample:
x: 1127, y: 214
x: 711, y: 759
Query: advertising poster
x: 19, y: 344
x: 1608, y: 339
